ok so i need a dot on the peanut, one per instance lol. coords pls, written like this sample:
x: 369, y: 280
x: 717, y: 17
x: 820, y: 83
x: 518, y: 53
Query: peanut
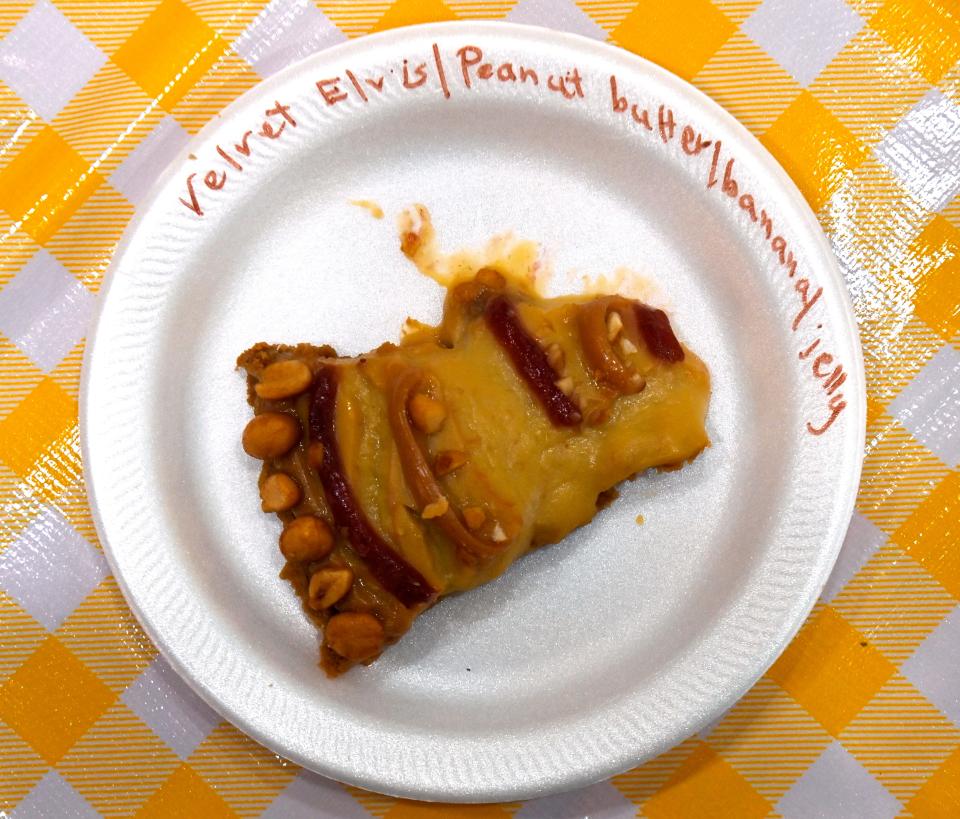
x: 355, y: 635
x: 328, y: 586
x: 627, y: 347
x: 315, y: 454
x: 436, y: 509
x: 306, y: 538
x: 448, y: 460
x: 474, y: 517
x: 283, y: 379
x: 614, y: 325
x: 279, y: 492
x: 637, y: 382
x: 427, y: 413
x: 270, y: 435
x: 556, y: 357
x: 498, y: 535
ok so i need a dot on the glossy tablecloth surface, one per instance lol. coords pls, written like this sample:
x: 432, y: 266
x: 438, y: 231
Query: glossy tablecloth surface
x: 858, y: 99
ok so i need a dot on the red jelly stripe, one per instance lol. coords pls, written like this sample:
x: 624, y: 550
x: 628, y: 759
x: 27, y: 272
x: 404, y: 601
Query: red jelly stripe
x: 396, y: 575
x: 657, y: 333
x: 530, y: 361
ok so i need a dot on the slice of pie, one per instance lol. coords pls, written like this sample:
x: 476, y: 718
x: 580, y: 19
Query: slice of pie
x: 427, y: 468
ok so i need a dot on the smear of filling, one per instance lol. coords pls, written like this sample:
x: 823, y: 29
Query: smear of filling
x: 520, y: 260
x: 370, y: 206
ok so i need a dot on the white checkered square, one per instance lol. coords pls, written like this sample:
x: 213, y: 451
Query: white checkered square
x: 929, y: 406
x: 51, y: 568
x: 923, y: 150
x: 803, y: 36
x: 45, y: 59
x: 563, y: 15
x: 170, y: 708
x: 861, y: 542
x: 136, y: 174
x: 934, y: 668
x: 310, y: 796
x: 866, y: 293
x: 44, y: 310
x: 600, y: 801
x: 54, y: 798
x: 285, y: 31
x: 839, y: 787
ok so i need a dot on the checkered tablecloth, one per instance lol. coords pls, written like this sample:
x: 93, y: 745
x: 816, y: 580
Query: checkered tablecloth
x: 860, y: 101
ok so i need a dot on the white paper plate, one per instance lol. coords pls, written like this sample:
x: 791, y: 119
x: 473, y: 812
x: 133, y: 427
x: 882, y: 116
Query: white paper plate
x: 585, y: 658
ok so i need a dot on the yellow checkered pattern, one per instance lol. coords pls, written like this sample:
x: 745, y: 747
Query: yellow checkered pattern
x: 842, y: 680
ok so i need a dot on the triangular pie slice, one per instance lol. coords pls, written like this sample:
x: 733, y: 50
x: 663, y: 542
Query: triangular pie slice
x: 427, y: 467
